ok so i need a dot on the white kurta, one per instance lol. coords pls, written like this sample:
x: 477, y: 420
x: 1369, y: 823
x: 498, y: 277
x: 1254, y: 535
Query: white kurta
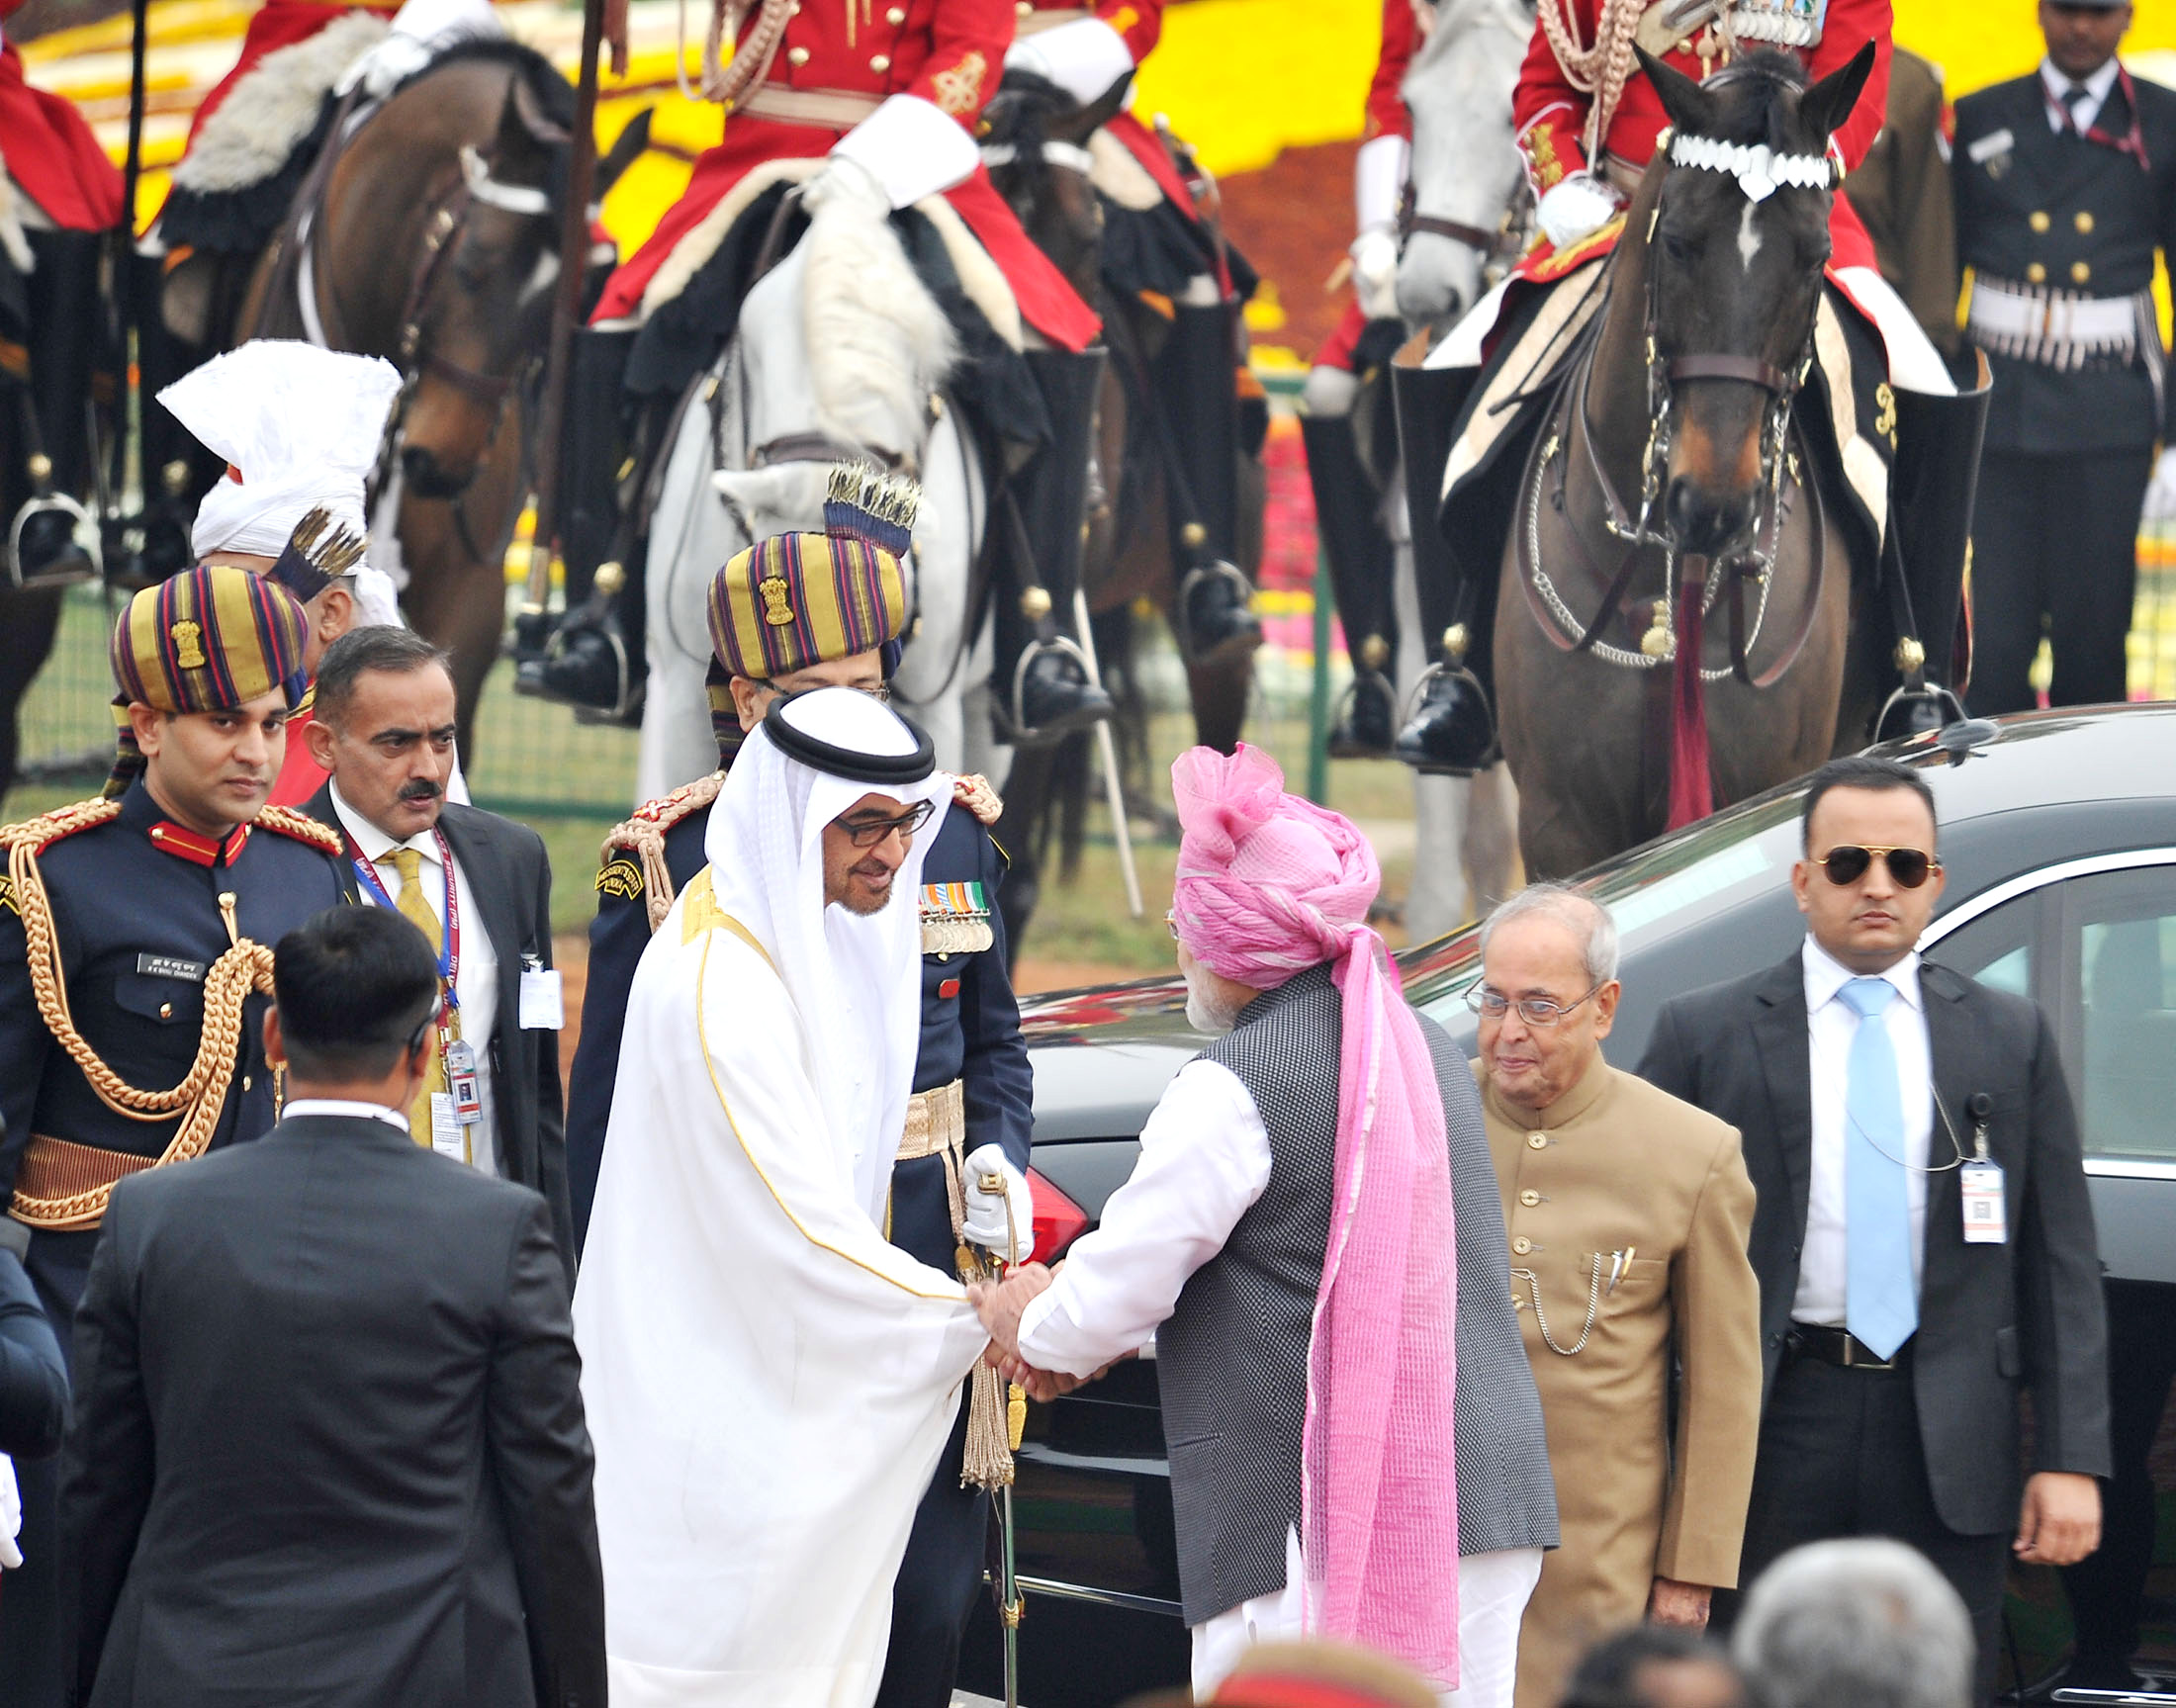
x: 769, y: 1381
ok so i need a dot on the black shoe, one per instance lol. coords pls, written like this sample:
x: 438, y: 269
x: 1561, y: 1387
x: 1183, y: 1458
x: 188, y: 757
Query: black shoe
x: 1216, y: 622
x: 47, y: 551
x: 1367, y: 720
x: 582, y: 663
x: 1053, y: 695
x: 1451, y: 732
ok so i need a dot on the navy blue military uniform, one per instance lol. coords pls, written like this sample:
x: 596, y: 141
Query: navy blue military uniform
x: 2048, y: 218
x: 136, y: 911
x: 970, y: 1032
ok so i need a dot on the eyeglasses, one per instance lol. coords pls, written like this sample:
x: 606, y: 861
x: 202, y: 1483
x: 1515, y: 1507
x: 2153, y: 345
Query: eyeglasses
x: 1848, y: 864
x: 881, y: 692
x: 867, y: 833
x: 1171, y: 924
x: 1537, y: 1011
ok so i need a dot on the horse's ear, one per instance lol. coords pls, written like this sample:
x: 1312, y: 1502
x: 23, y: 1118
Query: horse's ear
x: 1683, y: 99
x: 627, y: 148
x: 524, y: 124
x: 1829, y: 101
x: 1078, y: 126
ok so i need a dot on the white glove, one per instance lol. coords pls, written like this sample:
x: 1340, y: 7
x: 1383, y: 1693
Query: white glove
x: 1575, y: 207
x: 909, y: 149
x: 2160, y: 493
x: 1085, y: 58
x: 11, y: 1515
x: 1375, y: 274
x: 988, y: 1224
x: 1438, y: 278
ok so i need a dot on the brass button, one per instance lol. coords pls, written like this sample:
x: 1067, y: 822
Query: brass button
x: 247, y: 1080
x: 896, y: 15
x: 796, y: 55
x: 1529, y: 1198
x: 879, y: 62
x: 165, y: 1011
x: 1519, y: 1305
x: 1024, y: 9
x: 1522, y: 1245
x: 2080, y: 272
x: 2083, y: 222
x: 2039, y: 219
x: 1537, y: 1141
x: 2036, y: 274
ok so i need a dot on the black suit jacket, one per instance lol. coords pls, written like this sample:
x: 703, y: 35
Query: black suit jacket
x: 328, y: 1441
x: 507, y: 869
x: 34, y: 1378
x: 1990, y: 1316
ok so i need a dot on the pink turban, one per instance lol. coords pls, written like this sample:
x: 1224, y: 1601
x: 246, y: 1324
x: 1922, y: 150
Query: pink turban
x: 1268, y: 886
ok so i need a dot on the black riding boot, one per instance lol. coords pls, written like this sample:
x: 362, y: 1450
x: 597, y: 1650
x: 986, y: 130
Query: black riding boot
x: 1194, y: 379
x: 1361, y: 565
x: 66, y: 314
x: 1932, y: 486
x: 1452, y: 729
x: 591, y: 655
x: 1040, y: 672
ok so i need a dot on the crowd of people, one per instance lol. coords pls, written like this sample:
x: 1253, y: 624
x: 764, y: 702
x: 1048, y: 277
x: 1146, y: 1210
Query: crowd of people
x: 347, y: 1356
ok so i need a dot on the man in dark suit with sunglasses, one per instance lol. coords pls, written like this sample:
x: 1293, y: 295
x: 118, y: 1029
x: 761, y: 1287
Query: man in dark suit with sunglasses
x: 1923, y: 1238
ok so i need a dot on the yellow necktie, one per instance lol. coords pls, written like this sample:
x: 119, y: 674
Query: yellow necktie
x: 414, y: 907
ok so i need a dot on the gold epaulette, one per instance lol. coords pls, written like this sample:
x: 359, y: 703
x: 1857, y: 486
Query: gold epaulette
x: 643, y: 837
x: 300, y: 825
x: 42, y: 832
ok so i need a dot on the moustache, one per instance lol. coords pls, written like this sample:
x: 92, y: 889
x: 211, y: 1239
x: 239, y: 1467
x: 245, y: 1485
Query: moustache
x: 420, y: 789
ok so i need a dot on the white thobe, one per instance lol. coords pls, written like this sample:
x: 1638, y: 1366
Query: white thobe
x: 769, y: 1381
x: 1205, y: 1159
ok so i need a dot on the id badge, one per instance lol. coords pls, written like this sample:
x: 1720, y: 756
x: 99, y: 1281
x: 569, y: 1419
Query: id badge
x: 462, y: 1084
x: 445, y: 1129
x: 1986, y: 1221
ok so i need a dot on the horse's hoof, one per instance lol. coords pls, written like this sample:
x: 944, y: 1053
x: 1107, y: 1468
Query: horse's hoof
x: 1052, y: 697
x: 1451, y: 732
x: 1366, y: 726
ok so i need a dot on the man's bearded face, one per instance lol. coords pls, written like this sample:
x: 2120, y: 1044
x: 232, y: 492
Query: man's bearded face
x: 860, y: 879
x: 1210, y: 1007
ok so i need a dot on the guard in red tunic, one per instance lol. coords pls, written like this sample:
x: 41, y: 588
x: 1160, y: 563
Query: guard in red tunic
x: 1348, y: 505
x: 50, y: 314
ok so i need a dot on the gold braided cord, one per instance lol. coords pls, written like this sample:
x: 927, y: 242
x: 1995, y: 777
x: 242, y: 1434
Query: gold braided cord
x: 202, y: 1093
x: 726, y: 82
x: 292, y: 822
x: 643, y: 836
x: 1601, y: 68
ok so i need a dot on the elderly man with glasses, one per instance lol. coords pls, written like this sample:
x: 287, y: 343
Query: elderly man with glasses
x: 1924, y: 1243
x: 1627, y: 1212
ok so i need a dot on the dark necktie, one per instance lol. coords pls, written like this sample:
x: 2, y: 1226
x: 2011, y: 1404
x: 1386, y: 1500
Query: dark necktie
x: 2072, y: 98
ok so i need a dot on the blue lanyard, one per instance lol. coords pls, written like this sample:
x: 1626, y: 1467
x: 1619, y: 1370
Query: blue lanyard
x: 449, y: 946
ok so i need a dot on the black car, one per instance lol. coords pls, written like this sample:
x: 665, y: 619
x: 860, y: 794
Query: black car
x: 2058, y: 832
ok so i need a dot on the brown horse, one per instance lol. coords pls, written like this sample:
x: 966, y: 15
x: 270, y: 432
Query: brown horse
x: 1675, y: 622
x: 433, y: 243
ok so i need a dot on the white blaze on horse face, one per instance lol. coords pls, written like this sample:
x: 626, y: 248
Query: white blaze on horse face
x: 1748, y: 236
x: 542, y: 276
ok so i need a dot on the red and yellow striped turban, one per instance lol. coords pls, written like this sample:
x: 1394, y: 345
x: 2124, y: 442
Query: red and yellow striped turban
x: 799, y: 599
x: 210, y: 640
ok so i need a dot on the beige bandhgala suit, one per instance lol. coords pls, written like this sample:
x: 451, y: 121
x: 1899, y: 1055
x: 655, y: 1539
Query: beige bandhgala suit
x: 1616, y: 1179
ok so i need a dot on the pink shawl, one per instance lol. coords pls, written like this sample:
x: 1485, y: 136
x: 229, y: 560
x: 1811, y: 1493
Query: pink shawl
x: 1270, y: 885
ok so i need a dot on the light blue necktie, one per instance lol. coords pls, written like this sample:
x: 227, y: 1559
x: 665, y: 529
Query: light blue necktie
x: 1881, y: 1306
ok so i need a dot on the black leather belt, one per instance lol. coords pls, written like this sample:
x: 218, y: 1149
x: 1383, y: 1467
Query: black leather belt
x: 1841, y: 1347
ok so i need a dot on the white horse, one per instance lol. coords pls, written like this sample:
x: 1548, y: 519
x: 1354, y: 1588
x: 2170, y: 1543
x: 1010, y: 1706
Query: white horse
x: 839, y: 353
x: 1468, y: 183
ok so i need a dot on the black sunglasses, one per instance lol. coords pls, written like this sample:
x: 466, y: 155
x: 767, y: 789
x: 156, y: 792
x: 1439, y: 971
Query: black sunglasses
x: 1848, y: 864
x: 867, y: 833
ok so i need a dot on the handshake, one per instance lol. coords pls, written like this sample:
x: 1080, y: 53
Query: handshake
x: 999, y: 1303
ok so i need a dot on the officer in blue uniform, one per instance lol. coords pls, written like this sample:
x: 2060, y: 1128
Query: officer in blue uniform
x: 160, y: 905
x: 815, y: 610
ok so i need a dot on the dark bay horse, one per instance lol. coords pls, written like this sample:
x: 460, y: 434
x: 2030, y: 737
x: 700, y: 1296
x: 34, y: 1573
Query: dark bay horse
x: 434, y: 243
x: 1675, y: 622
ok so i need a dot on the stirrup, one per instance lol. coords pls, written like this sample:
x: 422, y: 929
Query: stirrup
x: 1910, y: 711
x: 1245, y: 639
x: 1491, y: 751
x: 1023, y: 733
x: 93, y: 563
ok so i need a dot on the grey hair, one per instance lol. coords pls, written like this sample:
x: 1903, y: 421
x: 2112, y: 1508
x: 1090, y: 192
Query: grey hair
x: 1865, y: 1621
x: 1576, y: 912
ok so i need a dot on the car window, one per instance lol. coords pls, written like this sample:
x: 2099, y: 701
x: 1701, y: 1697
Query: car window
x: 1995, y: 948
x: 2119, y: 936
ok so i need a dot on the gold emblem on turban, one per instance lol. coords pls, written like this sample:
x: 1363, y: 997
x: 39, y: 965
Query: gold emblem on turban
x: 188, y: 648
x: 776, y: 612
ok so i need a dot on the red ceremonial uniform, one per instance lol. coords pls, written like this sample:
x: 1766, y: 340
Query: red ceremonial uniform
x: 277, y: 24
x: 949, y: 52
x: 50, y: 152
x: 301, y: 777
x: 1387, y: 116
x: 1551, y: 115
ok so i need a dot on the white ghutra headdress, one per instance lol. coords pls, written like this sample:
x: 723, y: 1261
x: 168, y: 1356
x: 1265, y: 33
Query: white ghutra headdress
x: 1758, y: 169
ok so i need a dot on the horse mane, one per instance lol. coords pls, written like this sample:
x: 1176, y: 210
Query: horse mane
x: 1747, y: 98
x: 1020, y: 118
x: 554, y: 94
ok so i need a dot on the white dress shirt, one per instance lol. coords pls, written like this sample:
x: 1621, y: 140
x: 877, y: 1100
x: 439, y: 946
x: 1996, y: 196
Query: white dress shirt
x: 347, y: 1109
x: 1831, y: 1025
x: 475, y: 980
x: 1204, y: 1161
x: 2088, y: 111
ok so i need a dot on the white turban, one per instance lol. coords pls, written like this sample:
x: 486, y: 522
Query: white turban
x: 299, y: 428
x: 856, y: 979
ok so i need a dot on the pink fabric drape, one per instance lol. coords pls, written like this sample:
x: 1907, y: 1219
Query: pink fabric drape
x: 1269, y: 886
